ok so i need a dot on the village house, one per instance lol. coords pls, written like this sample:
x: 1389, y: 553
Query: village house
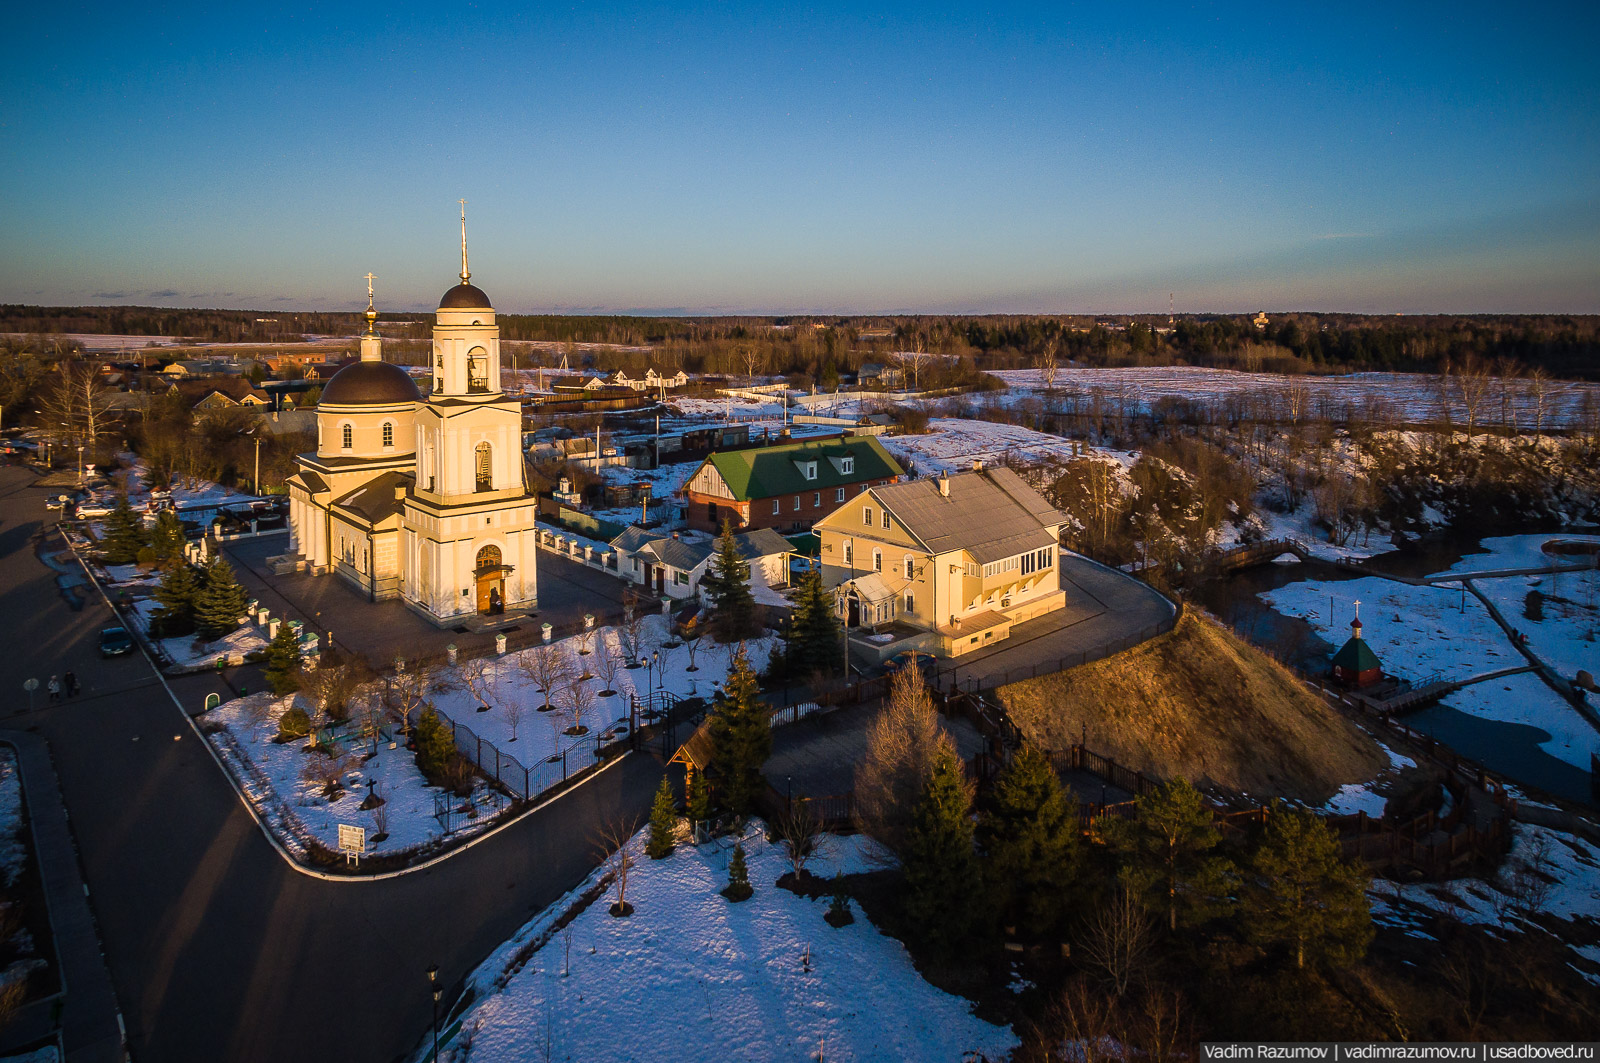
x: 946, y: 565
x: 878, y: 375
x: 673, y: 563
x: 789, y: 486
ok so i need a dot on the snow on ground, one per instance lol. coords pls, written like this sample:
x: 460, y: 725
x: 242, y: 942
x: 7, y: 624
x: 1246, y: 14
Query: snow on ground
x: 1519, y: 551
x: 1415, y: 631
x: 189, y: 653
x: 693, y: 977
x: 1300, y: 525
x: 1371, y: 796
x: 1420, y: 633
x: 952, y: 444
x: 271, y: 774
x: 13, y: 849
x: 1572, y: 864
x: 1415, y: 396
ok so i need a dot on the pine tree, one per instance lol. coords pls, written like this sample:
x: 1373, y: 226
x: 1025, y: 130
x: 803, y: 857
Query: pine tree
x: 1303, y: 896
x: 941, y: 869
x: 167, y: 538
x: 436, y: 746
x: 124, y: 534
x: 1163, y: 850
x: 739, y: 888
x: 221, y: 602
x: 176, y: 594
x: 814, y: 632
x: 699, y: 798
x: 1030, y: 836
x: 839, y: 913
x: 663, y: 822
x: 283, y: 661
x: 727, y: 585
x: 741, y: 738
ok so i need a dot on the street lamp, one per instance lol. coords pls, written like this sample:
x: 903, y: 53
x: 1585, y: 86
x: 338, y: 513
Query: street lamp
x: 655, y: 659
x: 433, y: 981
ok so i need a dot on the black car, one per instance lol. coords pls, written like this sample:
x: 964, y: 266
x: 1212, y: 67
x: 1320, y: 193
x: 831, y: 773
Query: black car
x: 115, y: 641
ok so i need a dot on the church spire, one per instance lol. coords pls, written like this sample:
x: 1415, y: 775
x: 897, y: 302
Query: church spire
x: 466, y: 274
x: 371, y: 315
x: 371, y: 345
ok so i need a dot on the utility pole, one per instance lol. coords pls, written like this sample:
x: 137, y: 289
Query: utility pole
x: 257, y: 479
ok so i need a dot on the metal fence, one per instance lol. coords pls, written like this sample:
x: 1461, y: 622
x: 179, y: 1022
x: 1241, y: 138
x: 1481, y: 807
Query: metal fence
x: 527, y: 781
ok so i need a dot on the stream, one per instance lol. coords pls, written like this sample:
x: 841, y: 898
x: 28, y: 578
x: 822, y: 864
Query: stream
x: 1512, y: 749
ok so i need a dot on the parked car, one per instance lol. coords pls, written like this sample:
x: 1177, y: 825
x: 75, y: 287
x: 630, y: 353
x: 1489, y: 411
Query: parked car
x: 57, y: 501
x: 95, y: 508
x: 115, y: 641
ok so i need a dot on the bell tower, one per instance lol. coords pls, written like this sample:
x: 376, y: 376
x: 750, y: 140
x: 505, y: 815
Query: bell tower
x: 466, y: 340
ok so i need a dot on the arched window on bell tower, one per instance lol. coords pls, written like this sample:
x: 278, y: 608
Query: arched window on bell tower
x: 477, y: 371
x: 348, y: 438
x: 485, y: 467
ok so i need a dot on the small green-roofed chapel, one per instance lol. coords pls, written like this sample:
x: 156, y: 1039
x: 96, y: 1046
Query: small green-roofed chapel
x: 1355, y: 665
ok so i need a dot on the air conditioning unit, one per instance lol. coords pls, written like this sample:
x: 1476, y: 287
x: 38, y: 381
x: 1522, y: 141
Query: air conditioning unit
x: 1005, y: 603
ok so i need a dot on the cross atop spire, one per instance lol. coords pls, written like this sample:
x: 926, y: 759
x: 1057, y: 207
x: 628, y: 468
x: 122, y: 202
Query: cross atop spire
x: 466, y: 274
x: 370, y: 278
x: 372, y: 314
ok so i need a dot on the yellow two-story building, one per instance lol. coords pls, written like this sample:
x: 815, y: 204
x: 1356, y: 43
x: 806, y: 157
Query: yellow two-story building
x: 945, y: 565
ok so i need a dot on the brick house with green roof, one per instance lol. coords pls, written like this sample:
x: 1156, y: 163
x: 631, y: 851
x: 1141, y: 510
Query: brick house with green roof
x: 787, y: 487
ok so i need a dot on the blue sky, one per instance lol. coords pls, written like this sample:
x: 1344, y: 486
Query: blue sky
x: 770, y: 159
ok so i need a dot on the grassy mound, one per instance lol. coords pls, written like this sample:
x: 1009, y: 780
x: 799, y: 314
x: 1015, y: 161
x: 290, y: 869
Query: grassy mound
x: 1201, y: 703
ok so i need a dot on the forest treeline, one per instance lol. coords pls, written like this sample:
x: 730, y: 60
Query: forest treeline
x: 1562, y: 345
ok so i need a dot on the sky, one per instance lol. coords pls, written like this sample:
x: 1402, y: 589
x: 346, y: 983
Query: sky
x: 753, y: 158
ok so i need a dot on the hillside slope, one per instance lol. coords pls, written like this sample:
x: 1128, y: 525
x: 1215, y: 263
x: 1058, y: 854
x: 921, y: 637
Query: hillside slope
x: 1201, y: 703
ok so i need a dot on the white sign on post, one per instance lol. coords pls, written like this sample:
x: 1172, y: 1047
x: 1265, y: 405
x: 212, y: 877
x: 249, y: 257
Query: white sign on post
x: 352, y: 842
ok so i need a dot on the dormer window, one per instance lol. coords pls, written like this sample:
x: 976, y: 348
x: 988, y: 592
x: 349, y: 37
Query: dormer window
x: 810, y: 469
x: 847, y: 465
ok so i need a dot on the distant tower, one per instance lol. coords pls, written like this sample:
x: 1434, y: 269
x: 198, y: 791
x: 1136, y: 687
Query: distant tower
x: 1170, y: 305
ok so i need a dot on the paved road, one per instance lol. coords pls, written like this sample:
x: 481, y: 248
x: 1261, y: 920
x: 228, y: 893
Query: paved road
x: 218, y: 950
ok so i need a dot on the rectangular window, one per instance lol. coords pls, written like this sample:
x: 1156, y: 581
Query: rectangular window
x: 847, y: 465
x: 797, y: 503
x: 811, y: 470
x: 886, y: 520
x: 877, y: 560
x: 866, y: 516
x: 848, y: 553
x: 816, y: 500
x: 777, y: 506
x: 910, y: 604
x: 909, y: 573
x: 838, y: 496
x: 680, y: 578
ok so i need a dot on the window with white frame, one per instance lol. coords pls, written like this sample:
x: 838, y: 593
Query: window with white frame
x: 847, y: 465
x: 1038, y: 560
x: 777, y: 506
x: 877, y: 560
x: 911, y: 605
x: 797, y: 503
x: 349, y: 437
x: 838, y: 496
x: 885, y: 516
x: 680, y: 577
x: 388, y: 433
x: 866, y: 516
x: 849, y: 553
x: 816, y: 499
x: 811, y: 470
x: 910, y: 572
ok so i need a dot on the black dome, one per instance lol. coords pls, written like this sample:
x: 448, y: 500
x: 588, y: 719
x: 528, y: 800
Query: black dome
x: 465, y: 297
x: 371, y: 384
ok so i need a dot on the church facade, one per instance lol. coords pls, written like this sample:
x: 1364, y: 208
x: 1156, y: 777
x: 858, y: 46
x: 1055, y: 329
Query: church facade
x: 422, y: 499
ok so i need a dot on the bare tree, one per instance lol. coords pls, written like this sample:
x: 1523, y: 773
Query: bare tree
x: 912, y: 360
x: 1117, y: 940
x: 580, y: 699
x: 407, y: 690
x: 513, y: 709
x: 1473, y: 381
x: 545, y: 667
x: 1046, y: 364
x: 330, y: 686
x: 327, y: 770
x: 754, y: 360
x: 632, y: 633
x: 691, y: 642
x: 799, y: 831
x: 606, y: 667
x: 613, y: 840
x: 902, y: 746
x: 77, y: 404
x: 1539, y: 388
x: 476, y: 674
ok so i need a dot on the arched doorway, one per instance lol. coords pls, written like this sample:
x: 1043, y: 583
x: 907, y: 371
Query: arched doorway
x: 490, y: 575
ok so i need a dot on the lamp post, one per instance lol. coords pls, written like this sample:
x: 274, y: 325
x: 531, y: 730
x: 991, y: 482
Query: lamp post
x: 655, y: 659
x: 433, y: 983
x: 80, y: 464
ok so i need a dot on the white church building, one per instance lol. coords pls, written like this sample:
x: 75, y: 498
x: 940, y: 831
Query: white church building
x: 422, y: 499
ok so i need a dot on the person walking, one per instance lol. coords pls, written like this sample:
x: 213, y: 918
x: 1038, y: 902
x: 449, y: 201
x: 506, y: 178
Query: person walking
x: 70, y: 681
x: 54, y: 687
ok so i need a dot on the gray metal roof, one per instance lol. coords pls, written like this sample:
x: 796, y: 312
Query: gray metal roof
x: 991, y: 514
x: 687, y: 554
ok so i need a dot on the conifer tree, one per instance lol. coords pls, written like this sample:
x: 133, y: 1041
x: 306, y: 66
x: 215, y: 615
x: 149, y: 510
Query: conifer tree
x: 221, y: 602
x: 739, y: 888
x: 124, y: 534
x: 176, y: 594
x: 435, y: 744
x: 1164, y: 853
x: 1303, y: 896
x: 741, y: 738
x: 282, y: 666
x: 663, y: 822
x: 727, y: 585
x: 167, y: 538
x: 814, y: 632
x: 1030, y: 837
x: 699, y: 800
x: 941, y: 869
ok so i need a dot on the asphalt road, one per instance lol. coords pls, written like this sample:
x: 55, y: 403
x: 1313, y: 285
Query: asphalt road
x: 218, y: 949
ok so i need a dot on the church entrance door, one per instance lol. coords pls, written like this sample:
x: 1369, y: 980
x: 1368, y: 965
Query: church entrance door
x: 490, y: 576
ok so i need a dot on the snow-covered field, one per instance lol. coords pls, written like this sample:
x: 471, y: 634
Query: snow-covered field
x: 1413, y: 396
x: 1572, y: 864
x: 952, y: 444
x: 692, y: 978
x: 189, y: 652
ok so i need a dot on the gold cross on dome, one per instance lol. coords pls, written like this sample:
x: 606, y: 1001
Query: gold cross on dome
x: 370, y: 278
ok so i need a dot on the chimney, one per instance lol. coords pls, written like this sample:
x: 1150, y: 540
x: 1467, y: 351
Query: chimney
x: 944, y: 485
x: 977, y: 464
